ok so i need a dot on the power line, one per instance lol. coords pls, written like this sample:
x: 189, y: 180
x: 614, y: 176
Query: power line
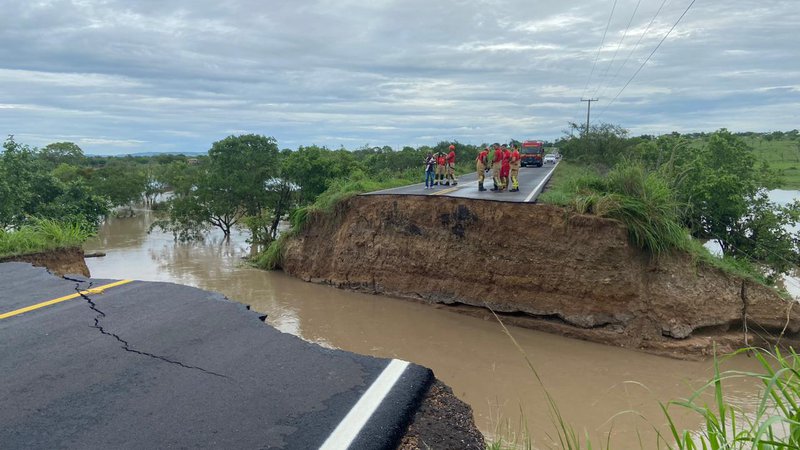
x: 613, y: 7
x: 648, y: 57
x: 614, y: 77
x: 614, y: 58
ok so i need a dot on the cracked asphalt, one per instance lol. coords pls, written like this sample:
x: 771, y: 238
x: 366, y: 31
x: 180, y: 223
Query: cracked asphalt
x: 160, y: 365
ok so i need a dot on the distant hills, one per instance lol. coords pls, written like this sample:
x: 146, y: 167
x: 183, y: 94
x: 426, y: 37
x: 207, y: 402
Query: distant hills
x: 148, y: 154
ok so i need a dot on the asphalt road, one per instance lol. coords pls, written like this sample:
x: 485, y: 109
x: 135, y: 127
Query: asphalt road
x: 160, y: 365
x: 531, y: 182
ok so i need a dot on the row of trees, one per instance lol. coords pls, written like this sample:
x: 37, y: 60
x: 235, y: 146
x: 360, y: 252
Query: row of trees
x: 242, y: 180
x: 246, y: 180
x: 719, y: 187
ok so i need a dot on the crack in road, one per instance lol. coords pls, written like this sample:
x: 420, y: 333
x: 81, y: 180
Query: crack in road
x: 125, y: 344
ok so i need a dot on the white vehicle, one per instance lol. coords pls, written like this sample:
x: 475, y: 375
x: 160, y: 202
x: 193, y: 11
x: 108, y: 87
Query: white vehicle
x: 550, y: 159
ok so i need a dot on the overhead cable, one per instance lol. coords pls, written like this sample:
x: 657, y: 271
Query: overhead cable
x: 649, y: 56
x: 614, y: 58
x: 613, y: 7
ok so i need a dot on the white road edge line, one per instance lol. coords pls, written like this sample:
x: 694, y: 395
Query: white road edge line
x: 354, y: 421
x: 539, y: 187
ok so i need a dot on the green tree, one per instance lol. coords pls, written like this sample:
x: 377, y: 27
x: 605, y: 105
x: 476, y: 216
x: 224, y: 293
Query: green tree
x: 122, y: 182
x: 28, y: 190
x: 229, y: 185
x: 604, y: 145
x: 312, y: 168
x: 62, y: 152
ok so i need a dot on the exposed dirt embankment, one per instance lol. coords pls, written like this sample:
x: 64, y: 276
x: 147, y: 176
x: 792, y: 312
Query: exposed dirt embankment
x: 545, y: 268
x: 60, y: 262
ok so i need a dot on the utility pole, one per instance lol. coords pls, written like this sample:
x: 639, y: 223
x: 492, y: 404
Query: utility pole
x: 588, y: 111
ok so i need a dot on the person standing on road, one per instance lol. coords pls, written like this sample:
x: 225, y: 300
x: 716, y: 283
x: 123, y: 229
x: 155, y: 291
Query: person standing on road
x: 496, y: 164
x: 430, y: 163
x: 439, y: 168
x: 481, y: 164
x: 451, y: 166
x: 505, y: 168
x: 515, y: 163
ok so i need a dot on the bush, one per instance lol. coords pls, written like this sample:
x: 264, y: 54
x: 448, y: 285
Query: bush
x: 43, y: 235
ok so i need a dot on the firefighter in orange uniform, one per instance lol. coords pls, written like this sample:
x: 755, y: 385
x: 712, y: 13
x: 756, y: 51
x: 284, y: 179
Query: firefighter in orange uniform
x: 451, y: 166
x: 481, y: 164
x: 496, y: 164
x: 505, y: 168
x: 515, y: 163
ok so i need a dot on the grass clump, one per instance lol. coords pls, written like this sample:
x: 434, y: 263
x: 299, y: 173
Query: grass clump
x: 641, y: 200
x: 272, y: 257
x: 774, y: 424
x: 43, y: 235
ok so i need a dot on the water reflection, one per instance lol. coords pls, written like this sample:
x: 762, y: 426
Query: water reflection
x: 590, y: 382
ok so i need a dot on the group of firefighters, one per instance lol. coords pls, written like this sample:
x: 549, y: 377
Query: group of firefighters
x: 503, y: 161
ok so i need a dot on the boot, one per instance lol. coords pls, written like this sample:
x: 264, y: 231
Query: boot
x: 480, y: 187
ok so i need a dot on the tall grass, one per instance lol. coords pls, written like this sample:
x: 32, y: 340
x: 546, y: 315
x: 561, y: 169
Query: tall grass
x: 639, y: 199
x: 272, y: 257
x: 773, y: 425
x: 41, y: 236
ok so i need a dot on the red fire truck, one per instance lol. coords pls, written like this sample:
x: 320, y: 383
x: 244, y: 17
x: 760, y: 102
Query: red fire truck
x: 531, y: 153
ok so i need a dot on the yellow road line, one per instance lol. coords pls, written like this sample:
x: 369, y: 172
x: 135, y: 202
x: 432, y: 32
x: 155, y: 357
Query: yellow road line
x: 445, y: 191
x: 97, y: 290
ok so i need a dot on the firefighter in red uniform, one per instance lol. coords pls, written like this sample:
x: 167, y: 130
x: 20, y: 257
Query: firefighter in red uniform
x: 505, y: 168
x: 515, y: 163
x: 451, y: 166
x: 496, y: 165
x: 481, y: 164
x: 439, y: 168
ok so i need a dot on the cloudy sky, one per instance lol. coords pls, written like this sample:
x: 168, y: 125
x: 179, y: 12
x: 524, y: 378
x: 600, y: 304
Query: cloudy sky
x: 119, y: 76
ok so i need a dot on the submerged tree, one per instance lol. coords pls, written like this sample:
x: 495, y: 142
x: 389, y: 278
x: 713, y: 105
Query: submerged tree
x: 227, y: 186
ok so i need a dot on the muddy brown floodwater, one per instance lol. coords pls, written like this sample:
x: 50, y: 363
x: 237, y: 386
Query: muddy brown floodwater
x: 599, y: 389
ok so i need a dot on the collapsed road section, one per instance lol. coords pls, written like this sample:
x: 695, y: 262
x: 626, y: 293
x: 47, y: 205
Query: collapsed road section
x: 109, y: 364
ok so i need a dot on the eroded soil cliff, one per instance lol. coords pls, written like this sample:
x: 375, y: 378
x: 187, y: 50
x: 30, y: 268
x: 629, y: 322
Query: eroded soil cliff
x: 540, y: 265
x: 59, y: 262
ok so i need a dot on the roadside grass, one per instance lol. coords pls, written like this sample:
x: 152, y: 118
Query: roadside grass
x: 640, y: 200
x: 644, y: 203
x: 774, y: 423
x: 41, y: 236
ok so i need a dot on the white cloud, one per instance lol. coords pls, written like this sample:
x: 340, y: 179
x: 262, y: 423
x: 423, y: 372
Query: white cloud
x: 182, y: 74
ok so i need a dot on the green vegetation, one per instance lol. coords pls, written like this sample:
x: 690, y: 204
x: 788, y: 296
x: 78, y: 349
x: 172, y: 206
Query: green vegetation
x: 667, y: 188
x: 771, y: 425
x: 42, y: 235
x: 781, y: 151
x: 709, y: 185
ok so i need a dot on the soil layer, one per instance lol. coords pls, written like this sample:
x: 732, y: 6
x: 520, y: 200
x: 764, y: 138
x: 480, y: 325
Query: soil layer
x: 60, y: 262
x: 540, y: 267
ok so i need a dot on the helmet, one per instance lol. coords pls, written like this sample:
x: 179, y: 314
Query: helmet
x: 452, y: 147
